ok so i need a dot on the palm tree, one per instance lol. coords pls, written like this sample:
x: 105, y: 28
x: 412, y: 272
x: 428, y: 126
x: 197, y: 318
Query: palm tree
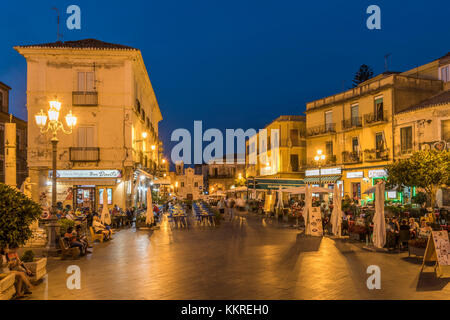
x: 363, y: 74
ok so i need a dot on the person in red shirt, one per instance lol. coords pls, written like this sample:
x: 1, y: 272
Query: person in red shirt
x: 72, y: 239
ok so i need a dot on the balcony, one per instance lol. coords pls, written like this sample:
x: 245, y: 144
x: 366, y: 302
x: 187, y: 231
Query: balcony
x: 322, y: 129
x: 351, y: 157
x: 290, y: 143
x: 355, y: 122
x: 81, y: 98
x: 372, y: 155
x: 374, y: 118
x: 84, y: 154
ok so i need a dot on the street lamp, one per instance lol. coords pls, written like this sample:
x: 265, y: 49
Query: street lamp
x: 319, y: 159
x: 54, y: 125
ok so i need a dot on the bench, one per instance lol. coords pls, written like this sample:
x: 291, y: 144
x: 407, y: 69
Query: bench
x: 38, y: 267
x: 7, y: 288
x: 96, y: 236
x: 67, y: 251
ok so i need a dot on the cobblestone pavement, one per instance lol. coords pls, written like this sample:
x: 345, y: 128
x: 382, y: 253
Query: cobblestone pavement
x: 248, y: 258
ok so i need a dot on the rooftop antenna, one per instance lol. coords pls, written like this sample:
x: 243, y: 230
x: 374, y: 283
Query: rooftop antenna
x: 386, y: 62
x: 58, y: 35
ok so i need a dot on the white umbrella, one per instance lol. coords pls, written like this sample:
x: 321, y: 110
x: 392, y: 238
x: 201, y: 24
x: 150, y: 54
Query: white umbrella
x: 105, y: 217
x: 379, y: 228
x: 307, y: 210
x: 336, y: 215
x: 280, y: 199
x: 149, y: 218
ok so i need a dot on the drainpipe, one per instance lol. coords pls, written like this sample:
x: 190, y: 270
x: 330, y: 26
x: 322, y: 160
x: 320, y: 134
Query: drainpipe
x: 392, y: 122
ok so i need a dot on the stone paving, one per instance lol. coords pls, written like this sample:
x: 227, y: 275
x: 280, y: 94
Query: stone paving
x: 249, y: 258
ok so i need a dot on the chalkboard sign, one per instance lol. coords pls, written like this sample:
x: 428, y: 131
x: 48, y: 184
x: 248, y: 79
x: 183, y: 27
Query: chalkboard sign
x: 316, y: 222
x: 438, y: 250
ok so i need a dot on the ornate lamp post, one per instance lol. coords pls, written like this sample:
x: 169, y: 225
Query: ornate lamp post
x: 319, y: 159
x: 54, y: 125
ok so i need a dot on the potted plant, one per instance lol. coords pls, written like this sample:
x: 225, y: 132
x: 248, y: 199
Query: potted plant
x: 64, y: 224
x: 17, y: 213
x: 36, y: 265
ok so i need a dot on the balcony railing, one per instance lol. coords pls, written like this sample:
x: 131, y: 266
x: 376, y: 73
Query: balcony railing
x: 84, y: 154
x: 322, y: 129
x: 376, y: 117
x: 351, y: 157
x: 355, y: 122
x: 376, y: 155
x: 289, y: 143
x: 81, y: 98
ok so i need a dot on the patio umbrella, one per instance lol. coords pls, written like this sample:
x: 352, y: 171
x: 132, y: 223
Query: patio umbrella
x: 105, y: 217
x: 280, y: 199
x: 336, y: 215
x: 379, y: 228
x: 307, y: 210
x: 149, y: 218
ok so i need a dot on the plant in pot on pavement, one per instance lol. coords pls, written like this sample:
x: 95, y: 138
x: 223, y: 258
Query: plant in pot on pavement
x: 17, y: 213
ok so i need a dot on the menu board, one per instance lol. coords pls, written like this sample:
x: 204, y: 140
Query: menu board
x: 442, y: 246
x: 316, y: 222
x: 438, y: 250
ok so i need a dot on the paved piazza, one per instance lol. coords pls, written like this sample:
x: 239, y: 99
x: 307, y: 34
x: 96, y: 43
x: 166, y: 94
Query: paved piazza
x: 247, y: 259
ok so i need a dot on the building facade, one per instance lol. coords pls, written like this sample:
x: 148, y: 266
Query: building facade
x: 114, y: 146
x: 21, y: 138
x: 187, y: 184
x: 278, y: 155
x: 354, y: 130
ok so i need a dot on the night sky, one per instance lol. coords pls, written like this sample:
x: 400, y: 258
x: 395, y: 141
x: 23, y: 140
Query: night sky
x: 235, y: 64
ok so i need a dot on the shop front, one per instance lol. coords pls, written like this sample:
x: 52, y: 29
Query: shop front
x: 325, y: 177
x: 84, y: 189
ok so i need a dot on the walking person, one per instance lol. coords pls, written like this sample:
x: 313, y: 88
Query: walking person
x: 231, y: 204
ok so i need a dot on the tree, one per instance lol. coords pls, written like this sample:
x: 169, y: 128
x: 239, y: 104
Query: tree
x: 363, y: 74
x: 429, y: 170
x: 17, y: 212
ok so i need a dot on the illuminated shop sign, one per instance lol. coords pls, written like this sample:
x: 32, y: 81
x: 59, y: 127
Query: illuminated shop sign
x: 87, y: 174
x: 380, y: 173
x: 323, y: 172
x: 355, y: 174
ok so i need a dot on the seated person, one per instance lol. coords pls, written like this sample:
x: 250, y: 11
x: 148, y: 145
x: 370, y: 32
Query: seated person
x: 81, y: 238
x: 73, y: 243
x: 99, y: 228
x: 22, y: 283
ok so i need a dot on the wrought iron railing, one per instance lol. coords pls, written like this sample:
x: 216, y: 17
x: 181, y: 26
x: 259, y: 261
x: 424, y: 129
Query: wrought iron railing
x: 82, y: 98
x: 84, y: 154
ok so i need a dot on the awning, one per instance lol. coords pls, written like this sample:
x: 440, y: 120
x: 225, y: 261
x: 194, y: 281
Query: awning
x: 324, y: 179
x: 273, y: 184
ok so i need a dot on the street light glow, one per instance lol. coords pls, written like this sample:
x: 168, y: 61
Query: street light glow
x: 41, y: 118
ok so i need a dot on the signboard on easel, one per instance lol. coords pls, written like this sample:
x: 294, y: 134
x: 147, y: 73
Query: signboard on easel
x: 316, y: 222
x: 438, y: 250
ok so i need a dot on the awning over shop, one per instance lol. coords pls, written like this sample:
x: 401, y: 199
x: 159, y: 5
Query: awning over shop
x: 273, y: 184
x: 323, y: 179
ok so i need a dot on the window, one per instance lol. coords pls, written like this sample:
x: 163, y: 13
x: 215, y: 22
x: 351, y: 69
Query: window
x: 379, y: 109
x: 85, y: 137
x: 355, y: 115
x: 355, y: 145
x: 445, y: 130
x: 444, y: 73
x: 182, y: 184
x: 86, y: 81
x: 294, y: 162
x: 328, y: 120
x: 294, y: 137
x: 196, y: 184
x: 2, y: 140
x: 329, y: 148
x: 406, y: 140
x: 379, y: 143
x: 1, y: 101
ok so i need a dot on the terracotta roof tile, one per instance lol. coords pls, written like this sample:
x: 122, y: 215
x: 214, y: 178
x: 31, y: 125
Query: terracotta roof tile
x: 438, y: 99
x: 81, y: 44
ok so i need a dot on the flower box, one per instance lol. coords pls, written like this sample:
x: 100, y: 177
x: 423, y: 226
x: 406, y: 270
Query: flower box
x: 7, y: 289
x: 38, y: 267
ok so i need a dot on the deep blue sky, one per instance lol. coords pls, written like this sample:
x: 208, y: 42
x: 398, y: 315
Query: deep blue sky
x: 235, y: 64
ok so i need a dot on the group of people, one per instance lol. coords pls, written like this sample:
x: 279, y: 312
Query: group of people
x: 228, y: 206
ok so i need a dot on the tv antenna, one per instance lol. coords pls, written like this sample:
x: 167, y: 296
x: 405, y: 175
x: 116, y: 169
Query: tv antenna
x: 58, y: 35
x: 386, y: 62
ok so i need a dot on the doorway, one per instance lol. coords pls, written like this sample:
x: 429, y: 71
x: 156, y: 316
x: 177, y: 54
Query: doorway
x: 84, y: 197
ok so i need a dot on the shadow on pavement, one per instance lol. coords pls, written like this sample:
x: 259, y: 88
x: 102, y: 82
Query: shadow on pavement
x: 413, y: 260
x: 429, y: 282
